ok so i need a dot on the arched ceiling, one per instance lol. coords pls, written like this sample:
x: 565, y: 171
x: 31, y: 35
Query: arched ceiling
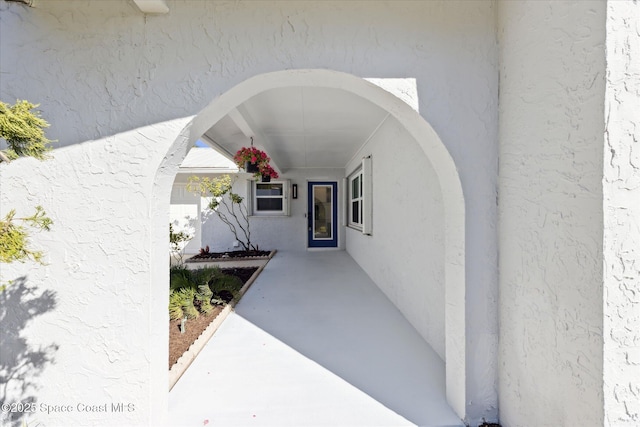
x: 300, y: 127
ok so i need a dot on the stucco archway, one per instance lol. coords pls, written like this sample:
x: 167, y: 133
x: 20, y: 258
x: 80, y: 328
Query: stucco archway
x: 416, y: 126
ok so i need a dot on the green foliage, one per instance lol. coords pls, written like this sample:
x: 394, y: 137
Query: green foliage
x: 225, y: 282
x: 203, y: 299
x: 23, y: 130
x: 180, y: 277
x: 13, y: 237
x: 229, y: 206
x: 187, y: 296
x: 175, y: 306
x: 193, y: 291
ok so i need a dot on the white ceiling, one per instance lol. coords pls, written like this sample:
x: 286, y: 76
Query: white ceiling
x: 300, y: 127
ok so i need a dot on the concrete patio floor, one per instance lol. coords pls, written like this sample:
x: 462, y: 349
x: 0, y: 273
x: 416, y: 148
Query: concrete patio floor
x: 313, y: 343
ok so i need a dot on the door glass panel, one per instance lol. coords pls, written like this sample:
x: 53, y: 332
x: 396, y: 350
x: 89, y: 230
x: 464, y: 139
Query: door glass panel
x: 322, y: 212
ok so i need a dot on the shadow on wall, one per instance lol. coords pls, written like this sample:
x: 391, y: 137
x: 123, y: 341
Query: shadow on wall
x: 20, y: 362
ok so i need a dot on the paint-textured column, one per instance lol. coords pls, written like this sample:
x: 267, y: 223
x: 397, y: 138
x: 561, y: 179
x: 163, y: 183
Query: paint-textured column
x: 621, y: 246
x: 552, y: 66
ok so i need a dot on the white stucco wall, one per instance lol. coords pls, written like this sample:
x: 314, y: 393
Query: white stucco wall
x: 405, y: 253
x: 185, y: 216
x: 621, y: 244
x: 100, y: 68
x: 88, y: 309
x: 552, y: 72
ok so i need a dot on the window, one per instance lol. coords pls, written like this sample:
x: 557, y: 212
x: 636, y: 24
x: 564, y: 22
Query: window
x: 355, y: 199
x: 359, y: 198
x: 270, y: 198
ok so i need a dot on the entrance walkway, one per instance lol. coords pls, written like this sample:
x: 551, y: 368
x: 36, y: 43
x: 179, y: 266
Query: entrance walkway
x: 313, y: 343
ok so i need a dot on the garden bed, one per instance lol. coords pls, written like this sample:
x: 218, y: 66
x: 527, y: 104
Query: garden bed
x: 180, y: 342
x: 232, y: 255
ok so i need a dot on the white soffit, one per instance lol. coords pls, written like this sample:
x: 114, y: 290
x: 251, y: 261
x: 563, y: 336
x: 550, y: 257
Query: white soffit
x: 152, y: 6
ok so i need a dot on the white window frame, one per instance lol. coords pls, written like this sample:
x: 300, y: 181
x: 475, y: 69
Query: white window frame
x: 284, y: 196
x: 357, y: 175
x: 364, y: 199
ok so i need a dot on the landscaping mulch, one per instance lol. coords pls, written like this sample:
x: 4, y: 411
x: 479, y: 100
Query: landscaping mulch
x: 231, y: 255
x: 179, y: 342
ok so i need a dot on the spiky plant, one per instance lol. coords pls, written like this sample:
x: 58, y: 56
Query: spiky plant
x: 203, y: 297
x: 175, y: 306
x: 187, y: 296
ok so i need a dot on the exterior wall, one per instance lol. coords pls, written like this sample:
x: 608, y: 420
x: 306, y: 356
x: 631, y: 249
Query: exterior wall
x: 185, y: 215
x: 404, y: 255
x: 621, y: 244
x: 77, y: 332
x: 102, y: 68
x: 287, y: 233
x: 552, y: 69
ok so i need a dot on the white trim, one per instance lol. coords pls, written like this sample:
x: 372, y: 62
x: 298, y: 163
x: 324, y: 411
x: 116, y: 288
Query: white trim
x: 367, y: 196
x: 334, y: 199
x: 285, y: 211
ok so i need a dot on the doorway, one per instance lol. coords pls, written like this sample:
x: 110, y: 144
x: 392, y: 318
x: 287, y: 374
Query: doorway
x: 322, y: 214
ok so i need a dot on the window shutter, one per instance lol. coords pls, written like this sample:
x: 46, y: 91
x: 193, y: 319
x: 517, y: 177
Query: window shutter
x: 344, y: 217
x: 249, y: 197
x: 367, y: 190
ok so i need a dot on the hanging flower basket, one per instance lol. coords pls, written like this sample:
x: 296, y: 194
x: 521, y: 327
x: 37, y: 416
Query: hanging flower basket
x: 256, y: 162
x: 250, y: 159
x: 267, y: 172
x: 251, y: 167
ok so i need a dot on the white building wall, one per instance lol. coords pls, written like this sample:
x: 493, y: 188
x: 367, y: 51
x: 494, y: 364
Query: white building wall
x: 621, y: 244
x: 100, y: 68
x: 404, y: 254
x: 281, y: 232
x: 185, y: 216
x: 77, y: 332
x: 552, y: 73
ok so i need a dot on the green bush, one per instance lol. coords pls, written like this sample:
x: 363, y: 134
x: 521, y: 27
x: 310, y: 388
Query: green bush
x: 180, y: 277
x: 224, y: 282
x: 194, y: 291
x: 203, y: 299
x: 175, y: 306
x: 187, y: 296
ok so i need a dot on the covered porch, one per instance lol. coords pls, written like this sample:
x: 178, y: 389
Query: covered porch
x: 314, y: 342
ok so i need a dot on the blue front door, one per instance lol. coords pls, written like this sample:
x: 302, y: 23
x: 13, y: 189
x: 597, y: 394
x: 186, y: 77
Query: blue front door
x: 322, y: 214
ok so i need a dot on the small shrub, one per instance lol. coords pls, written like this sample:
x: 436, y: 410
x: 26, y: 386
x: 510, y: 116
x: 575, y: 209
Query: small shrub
x: 187, y: 296
x: 180, y: 277
x: 175, y: 306
x: 203, y: 298
x: 224, y: 285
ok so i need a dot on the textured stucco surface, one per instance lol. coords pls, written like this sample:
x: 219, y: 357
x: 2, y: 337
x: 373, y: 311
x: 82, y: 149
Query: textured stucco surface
x: 621, y: 186
x: 94, y: 292
x: 404, y: 255
x: 104, y: 69
x: 551, y: 147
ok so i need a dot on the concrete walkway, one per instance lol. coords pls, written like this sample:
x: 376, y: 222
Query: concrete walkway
x: 313, y: 343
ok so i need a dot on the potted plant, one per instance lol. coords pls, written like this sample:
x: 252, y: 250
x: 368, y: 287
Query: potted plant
x: 250, y: 159
x: 267, y: 172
